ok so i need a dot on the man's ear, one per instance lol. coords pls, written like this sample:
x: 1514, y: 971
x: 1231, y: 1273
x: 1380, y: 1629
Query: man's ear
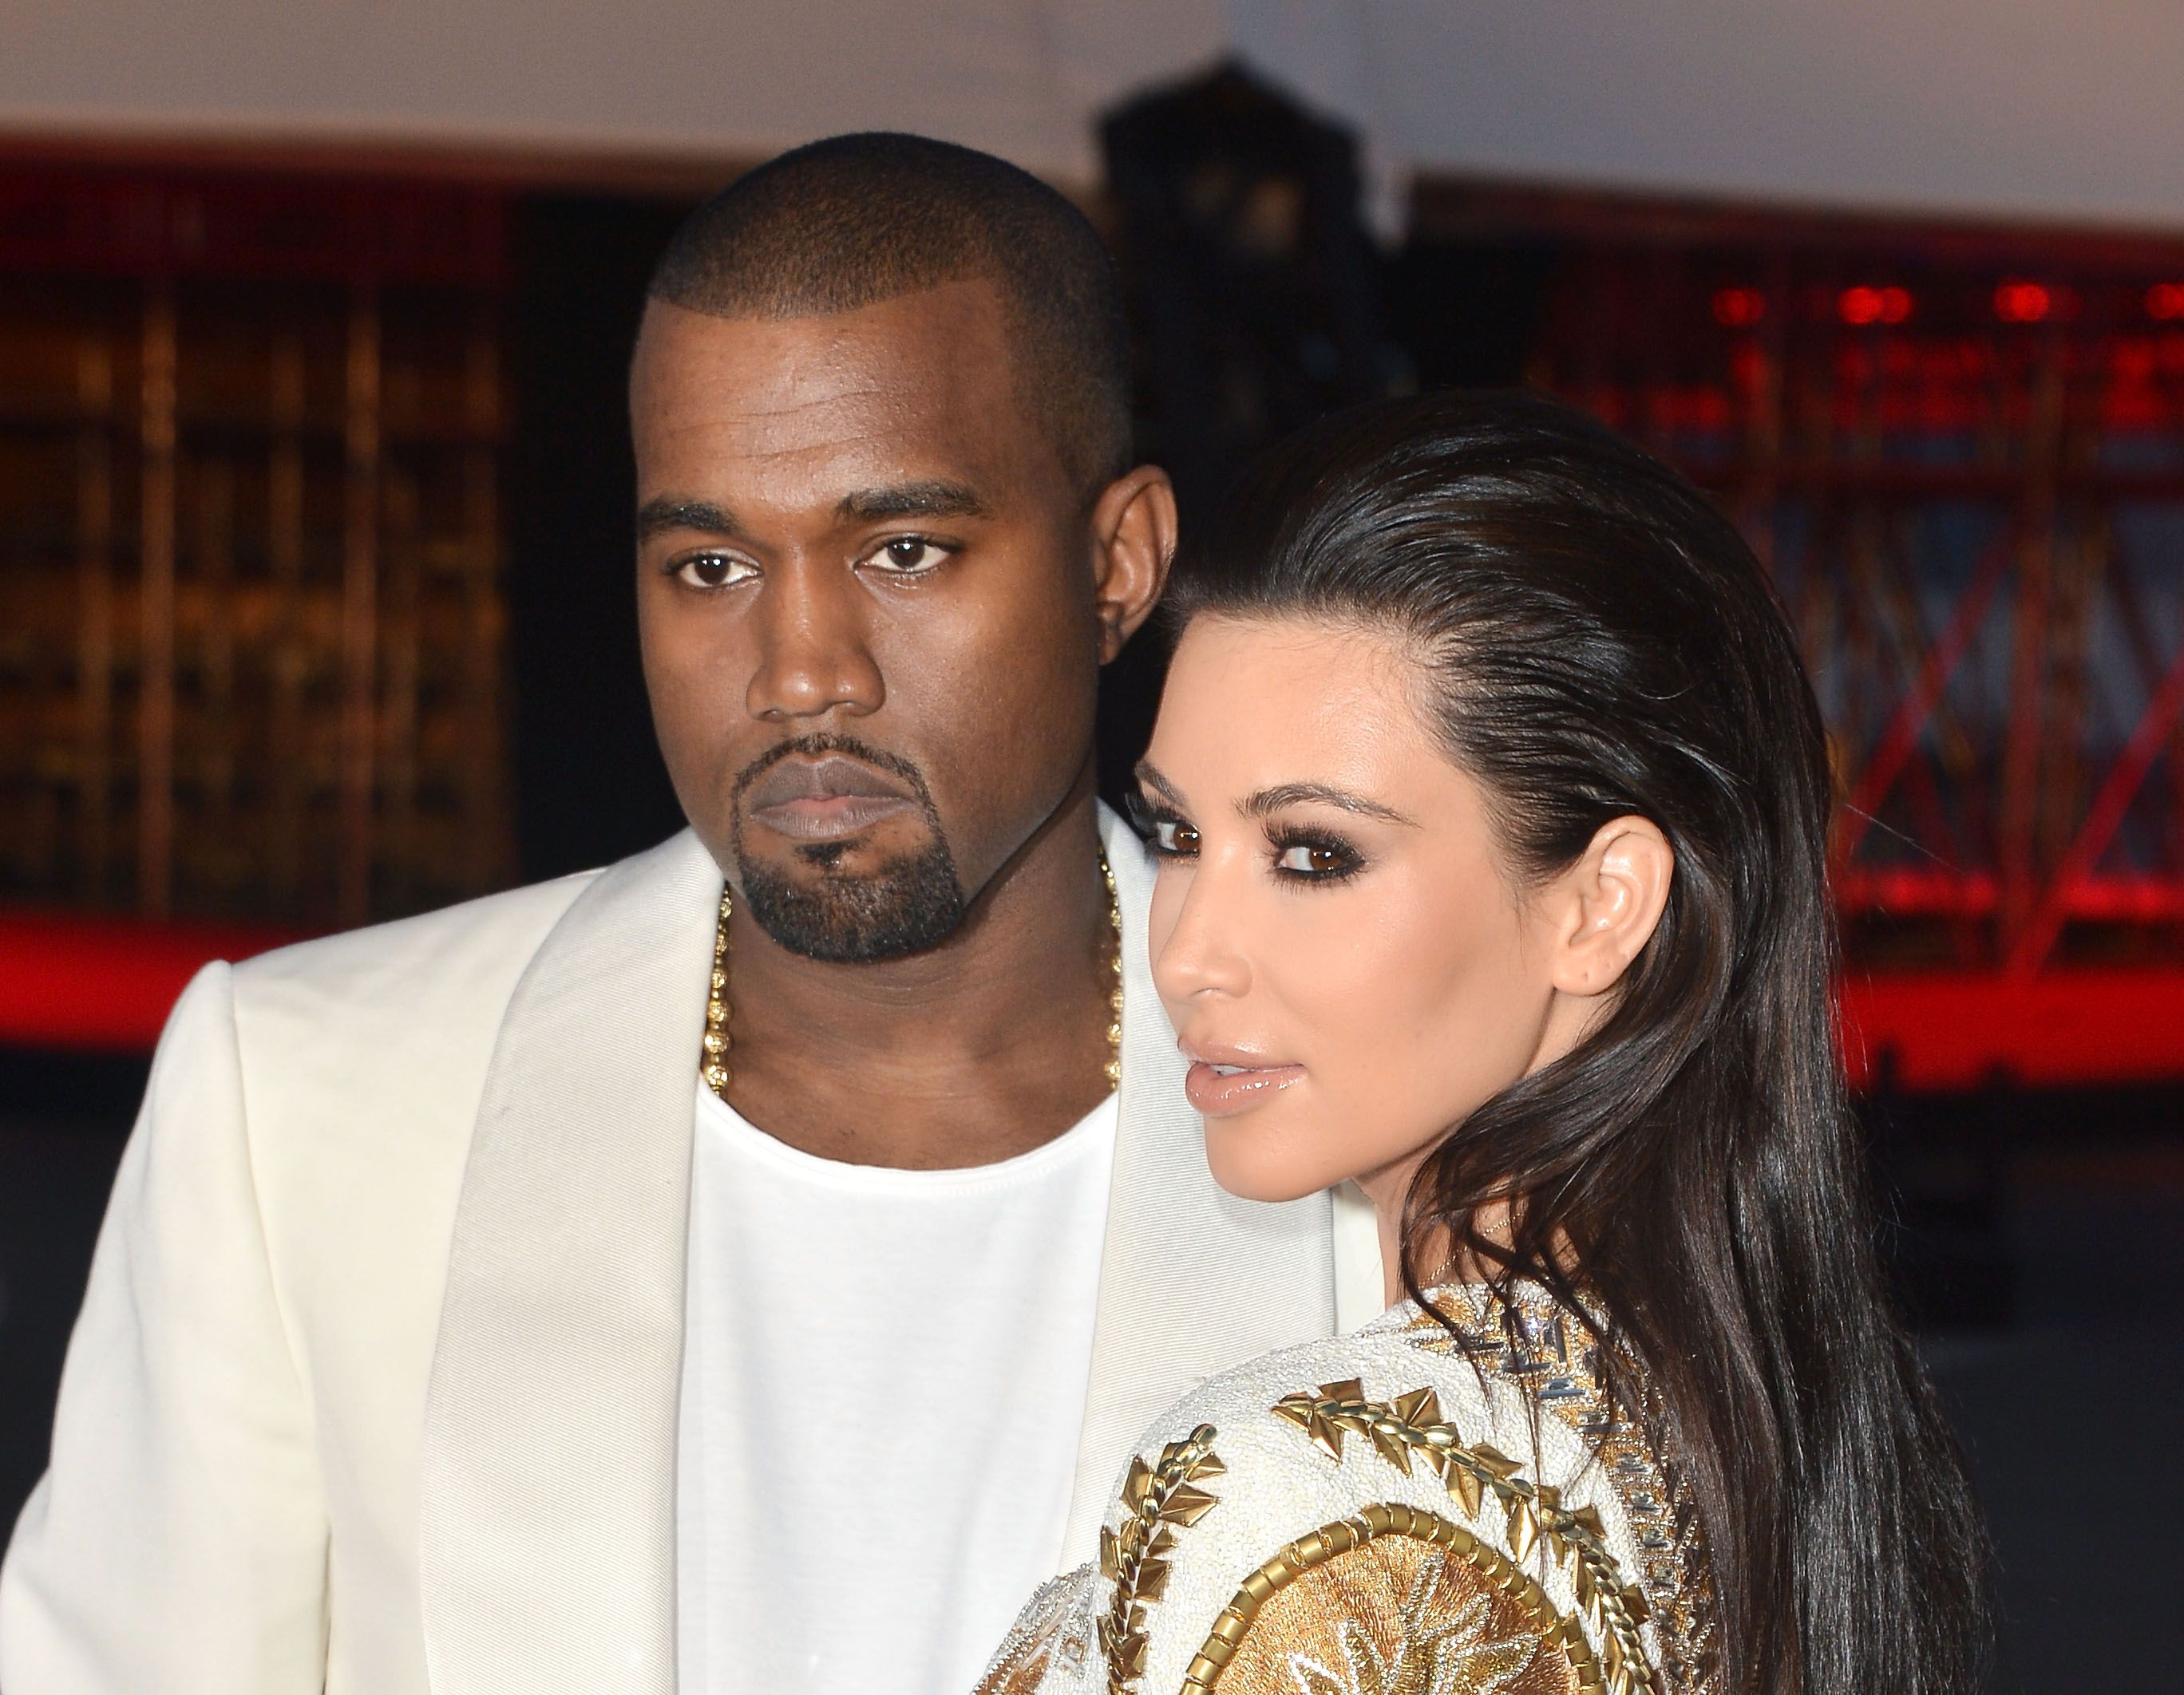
x: 1133, y: 543
x: 1611, y: 898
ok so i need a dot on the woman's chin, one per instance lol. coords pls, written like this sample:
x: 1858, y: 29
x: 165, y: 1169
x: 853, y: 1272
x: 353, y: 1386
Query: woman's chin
x: 1262, y: 1179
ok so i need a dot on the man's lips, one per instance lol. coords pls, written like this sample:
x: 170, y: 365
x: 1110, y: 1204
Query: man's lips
x: 825, y: 799
x: 1224, y: 1081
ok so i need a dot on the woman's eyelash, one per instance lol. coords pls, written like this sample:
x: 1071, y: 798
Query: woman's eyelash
x: 1160, y: 828
x: 1144, y: 813
x: 1168, y: 834
x: 1347, y: 861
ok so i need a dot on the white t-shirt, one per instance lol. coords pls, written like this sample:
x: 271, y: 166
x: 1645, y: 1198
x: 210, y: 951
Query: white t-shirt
x: 884, y: 1384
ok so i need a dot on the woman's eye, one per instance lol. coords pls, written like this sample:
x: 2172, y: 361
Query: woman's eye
x: 712, y: 570
x: 1172, y: 837
x: 911, y: 554
x: 1315, y: 859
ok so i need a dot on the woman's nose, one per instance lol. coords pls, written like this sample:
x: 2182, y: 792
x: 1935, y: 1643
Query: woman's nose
x: 1201, y: 953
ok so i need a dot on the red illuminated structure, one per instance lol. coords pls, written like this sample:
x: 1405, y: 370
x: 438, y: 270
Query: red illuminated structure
x: 1962, y: 453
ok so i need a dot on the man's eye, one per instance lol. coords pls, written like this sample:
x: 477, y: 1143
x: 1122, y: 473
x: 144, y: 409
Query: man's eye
x: 712, y: 570
x: 911, y: 554
x: 1172, y: 837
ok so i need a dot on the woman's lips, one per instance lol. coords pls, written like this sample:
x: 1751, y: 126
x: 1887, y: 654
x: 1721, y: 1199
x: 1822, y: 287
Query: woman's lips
x: 1221, y: 1091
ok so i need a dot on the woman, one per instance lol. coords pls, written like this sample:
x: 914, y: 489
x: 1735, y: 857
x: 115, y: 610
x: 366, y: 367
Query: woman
x: 1489, y: 800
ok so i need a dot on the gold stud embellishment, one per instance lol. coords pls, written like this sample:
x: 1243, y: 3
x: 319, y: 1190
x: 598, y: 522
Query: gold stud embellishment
x: 1159, y: 1498
x: 714, y: 1067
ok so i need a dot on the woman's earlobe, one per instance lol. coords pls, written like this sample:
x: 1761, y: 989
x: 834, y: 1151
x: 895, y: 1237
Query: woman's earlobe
x: 1618, y: 888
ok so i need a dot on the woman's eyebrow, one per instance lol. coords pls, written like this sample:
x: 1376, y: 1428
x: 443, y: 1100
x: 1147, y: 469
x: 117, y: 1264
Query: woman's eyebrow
x: 1273, y: 799
x: 1149, y: 775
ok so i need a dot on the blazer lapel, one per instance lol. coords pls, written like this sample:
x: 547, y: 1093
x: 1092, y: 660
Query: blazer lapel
x: 1192, y: 1281
x: 547, y: 1484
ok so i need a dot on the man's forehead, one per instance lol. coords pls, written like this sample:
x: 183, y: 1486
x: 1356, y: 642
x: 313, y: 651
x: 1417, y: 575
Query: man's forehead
x: 954, y: 332
x: 775, y: 384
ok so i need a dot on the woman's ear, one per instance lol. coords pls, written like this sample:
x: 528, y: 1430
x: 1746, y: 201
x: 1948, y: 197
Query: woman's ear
x: 1612, y: 899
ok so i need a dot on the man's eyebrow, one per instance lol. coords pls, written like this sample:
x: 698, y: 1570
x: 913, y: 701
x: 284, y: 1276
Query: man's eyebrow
x: 667, y: 512
x: 931, y: 497
x: 1322, y: 794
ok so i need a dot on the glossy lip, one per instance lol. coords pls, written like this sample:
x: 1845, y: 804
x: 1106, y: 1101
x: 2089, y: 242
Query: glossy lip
x: 1218, y: 1095
x: 826, y: 798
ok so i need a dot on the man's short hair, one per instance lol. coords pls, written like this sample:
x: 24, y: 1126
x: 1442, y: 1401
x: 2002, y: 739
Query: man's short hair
x: 855, y: 219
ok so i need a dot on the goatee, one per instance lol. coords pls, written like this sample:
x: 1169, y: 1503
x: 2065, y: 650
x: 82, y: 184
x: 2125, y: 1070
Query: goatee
x: 906, y: 905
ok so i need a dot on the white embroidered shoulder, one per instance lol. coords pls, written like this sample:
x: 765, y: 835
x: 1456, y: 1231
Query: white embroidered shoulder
x: 1389, y: 1510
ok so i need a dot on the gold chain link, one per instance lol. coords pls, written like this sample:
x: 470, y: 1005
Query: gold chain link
x: 714, y: 1066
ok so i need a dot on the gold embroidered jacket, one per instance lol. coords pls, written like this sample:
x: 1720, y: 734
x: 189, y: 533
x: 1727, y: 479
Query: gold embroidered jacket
x: 1390, y: 1512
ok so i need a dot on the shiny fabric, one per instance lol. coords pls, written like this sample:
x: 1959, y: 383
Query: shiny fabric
x: 1399, y: 1616
x: 1398, y: 1510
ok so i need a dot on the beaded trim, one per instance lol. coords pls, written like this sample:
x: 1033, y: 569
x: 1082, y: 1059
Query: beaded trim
x: 1561, y: 1371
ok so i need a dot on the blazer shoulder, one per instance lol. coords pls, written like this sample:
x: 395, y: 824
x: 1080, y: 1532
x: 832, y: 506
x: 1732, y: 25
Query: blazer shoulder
x: 406, y: 956
x: 382, y: 1037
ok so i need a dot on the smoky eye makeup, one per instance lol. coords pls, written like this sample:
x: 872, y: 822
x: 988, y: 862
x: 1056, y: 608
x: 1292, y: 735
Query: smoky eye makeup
x: 1309, y: 856
x: 1165, y: 831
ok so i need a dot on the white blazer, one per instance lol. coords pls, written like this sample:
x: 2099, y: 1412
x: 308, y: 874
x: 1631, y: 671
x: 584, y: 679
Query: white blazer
x: 374, y: 1390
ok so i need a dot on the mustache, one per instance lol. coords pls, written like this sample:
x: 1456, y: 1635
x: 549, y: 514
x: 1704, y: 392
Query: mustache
x: 822, y: 742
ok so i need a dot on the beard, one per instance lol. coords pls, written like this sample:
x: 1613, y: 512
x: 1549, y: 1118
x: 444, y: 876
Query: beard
x: 909, y: 904
x: 905, y: 905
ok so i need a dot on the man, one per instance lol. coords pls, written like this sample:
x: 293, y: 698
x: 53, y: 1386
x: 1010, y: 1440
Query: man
x: 452, y: 1328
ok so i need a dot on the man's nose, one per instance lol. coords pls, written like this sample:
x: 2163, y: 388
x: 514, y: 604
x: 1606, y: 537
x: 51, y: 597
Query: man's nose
x: 814, y: 656
x: 1202, y: 953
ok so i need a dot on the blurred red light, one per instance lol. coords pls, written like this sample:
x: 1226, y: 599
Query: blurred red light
x: 1860, y: 305
x: 1738, y: 307
x: 1864, y: 304
x: 2021, y: 302
x: 2166, y: 301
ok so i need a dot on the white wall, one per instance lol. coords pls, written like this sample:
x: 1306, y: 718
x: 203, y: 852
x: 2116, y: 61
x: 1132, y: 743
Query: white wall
x: 720, y: 79
x: 2047, y: 108
x: 2063, y: 109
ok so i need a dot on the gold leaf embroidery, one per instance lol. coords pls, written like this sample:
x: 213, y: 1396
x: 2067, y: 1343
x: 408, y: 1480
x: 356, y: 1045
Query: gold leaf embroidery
x: 1159, y: 1497
x: 1529, y: 1508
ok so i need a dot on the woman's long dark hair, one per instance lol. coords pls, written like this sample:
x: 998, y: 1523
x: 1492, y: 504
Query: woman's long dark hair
x: 1605, y: 644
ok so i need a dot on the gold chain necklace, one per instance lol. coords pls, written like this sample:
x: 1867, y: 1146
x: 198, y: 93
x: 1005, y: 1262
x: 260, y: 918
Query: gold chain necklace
x: 714, y: 1067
